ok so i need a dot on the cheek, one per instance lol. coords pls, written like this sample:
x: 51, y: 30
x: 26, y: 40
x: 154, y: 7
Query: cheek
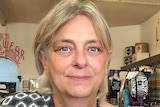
x: 57, y: 64
x: 55, y: 69
x: 99, y: 64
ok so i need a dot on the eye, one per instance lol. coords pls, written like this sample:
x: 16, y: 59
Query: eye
x: 94, y: 49
x: 64, y: 49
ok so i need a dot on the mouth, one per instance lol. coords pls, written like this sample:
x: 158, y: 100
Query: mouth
x: 79, y: 78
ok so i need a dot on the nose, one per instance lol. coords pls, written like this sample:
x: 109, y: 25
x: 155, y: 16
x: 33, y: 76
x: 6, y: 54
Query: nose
x: 80, y: 60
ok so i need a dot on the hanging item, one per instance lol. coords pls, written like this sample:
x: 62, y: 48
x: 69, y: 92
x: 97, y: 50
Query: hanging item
x: 115, y: 85
x: 138, y: 85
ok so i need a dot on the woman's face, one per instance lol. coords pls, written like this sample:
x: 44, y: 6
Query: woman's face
x: 76, y: 62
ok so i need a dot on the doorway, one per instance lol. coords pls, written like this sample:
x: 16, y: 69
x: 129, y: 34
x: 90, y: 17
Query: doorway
x: 9, y: 74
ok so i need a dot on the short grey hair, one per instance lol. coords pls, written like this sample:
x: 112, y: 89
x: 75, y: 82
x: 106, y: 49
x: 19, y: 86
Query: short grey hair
x: 64, y: 11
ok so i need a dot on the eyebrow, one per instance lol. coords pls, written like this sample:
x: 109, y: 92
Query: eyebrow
x: 72, y: 42
x: 93, y: 41
x: 63, y: 41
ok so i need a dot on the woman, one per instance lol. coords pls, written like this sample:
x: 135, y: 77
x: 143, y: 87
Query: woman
x: 72, y: 49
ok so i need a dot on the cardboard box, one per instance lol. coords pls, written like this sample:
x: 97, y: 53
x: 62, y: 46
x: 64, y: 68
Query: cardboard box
x: 128, y: 60
x: 129, y: 51
x: 141, y: 56
x: 141, y: 47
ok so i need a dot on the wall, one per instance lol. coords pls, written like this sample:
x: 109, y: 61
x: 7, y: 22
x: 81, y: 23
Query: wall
x: 129, y: 35
x: 122, y: 37
x: 148, y: 34
x: 2, y: 29
x: 22, y: 34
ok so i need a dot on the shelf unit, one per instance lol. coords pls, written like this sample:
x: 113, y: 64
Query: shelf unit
x: 151, y: 61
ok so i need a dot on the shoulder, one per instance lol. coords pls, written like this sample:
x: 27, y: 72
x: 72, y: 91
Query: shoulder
x: 106, y: 104
x: 25, y: 99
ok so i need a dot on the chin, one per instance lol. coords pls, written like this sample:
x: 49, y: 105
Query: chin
x: 79, y: 93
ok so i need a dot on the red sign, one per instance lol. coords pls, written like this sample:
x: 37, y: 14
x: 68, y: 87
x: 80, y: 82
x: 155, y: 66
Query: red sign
x: 9, y: 50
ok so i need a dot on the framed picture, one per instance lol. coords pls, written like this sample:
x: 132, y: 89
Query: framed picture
x: 32, y: 84
x: 25, y: 84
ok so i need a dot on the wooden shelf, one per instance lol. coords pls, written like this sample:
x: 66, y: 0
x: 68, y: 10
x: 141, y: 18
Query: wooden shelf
x: 154, y: 60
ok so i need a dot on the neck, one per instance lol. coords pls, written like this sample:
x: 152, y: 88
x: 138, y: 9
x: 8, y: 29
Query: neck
x: 74, y: 102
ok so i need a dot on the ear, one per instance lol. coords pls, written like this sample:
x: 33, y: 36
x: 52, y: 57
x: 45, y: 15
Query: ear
x: 43, y: 59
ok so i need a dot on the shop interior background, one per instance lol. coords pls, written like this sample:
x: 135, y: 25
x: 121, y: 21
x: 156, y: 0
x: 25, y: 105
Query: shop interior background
x: 130, y: 22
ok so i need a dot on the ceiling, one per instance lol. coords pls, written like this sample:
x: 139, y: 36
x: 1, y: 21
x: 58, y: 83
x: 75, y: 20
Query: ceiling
x: 116, y: 12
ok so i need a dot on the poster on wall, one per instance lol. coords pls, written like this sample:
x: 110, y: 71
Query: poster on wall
x: 8, y: 49
x: 25, y: 84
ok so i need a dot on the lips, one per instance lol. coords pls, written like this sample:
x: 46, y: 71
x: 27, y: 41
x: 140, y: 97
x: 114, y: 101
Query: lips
x: 80, y: 78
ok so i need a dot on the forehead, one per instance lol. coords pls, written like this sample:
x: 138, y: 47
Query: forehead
x: 80, y: 27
